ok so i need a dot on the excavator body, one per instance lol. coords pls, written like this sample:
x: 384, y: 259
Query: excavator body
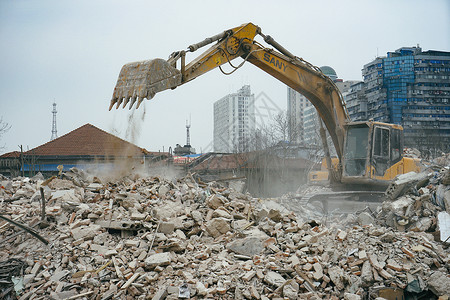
x: 369, y: 153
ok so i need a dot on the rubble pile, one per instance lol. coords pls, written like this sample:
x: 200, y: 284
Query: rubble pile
x: 151, y: 238
x: 419, y: 202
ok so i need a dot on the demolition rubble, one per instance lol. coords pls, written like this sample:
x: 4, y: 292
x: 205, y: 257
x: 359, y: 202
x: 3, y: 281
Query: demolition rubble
x: 151, y: 238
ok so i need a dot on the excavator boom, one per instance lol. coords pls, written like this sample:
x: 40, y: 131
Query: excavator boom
x: 140, y: 80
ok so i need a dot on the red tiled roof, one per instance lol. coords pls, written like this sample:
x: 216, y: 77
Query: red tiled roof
x: 88, y: 140
x: 12, y: 154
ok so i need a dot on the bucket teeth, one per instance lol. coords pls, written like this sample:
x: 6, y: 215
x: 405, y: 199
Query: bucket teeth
x: 119, y: 102
x: 139, y: 102
x: 113, y: 101
x: 132, y: 103
x: 125, y: 102
x: 140, y: 80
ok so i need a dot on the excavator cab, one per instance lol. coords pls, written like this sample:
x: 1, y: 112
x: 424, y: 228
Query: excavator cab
x: 372, y: 152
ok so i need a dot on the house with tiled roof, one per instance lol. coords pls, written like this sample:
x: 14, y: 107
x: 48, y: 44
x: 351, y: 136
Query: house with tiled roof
x: 84, y: 147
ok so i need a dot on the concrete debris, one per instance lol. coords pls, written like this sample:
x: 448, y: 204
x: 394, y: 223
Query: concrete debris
x: 365, y: 218
x: 443, y: 226
x: 439, y: 283
x: 152, y: 238
x: 405, y: 182
x: 422, y: 207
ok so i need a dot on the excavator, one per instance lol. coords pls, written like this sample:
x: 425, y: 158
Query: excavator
x: 369, y: 153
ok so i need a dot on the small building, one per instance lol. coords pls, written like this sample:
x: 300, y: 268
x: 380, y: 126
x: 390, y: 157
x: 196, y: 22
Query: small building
x: 85, y: 147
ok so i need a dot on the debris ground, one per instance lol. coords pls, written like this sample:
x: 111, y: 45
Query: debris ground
x: 153, y: 238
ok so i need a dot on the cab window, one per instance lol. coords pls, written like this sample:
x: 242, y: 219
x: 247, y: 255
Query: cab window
x: 381, y: 142
x: 396, y: 147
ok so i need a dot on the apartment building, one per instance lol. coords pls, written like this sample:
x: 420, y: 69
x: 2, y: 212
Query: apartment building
x: 234, y: 121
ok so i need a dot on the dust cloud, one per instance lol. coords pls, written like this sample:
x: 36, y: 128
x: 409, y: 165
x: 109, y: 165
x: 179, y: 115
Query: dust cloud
x: 122, y: 158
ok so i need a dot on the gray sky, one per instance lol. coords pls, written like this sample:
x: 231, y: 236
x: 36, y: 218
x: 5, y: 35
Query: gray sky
x: 71, y: 52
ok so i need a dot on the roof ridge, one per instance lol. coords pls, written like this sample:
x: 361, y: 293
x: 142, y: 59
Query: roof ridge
x: 86, y: 140
x: 117, y: 137
x: 58, y: 138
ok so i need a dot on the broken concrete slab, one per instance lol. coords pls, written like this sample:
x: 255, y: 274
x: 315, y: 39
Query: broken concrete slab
x: 217, y: 227
x: 85, y: 232
x: 274, y: 279
x: 365, y: 219
x: 443, y: 224
x: 158, y: 259
x: 439, y: 283
x: 336, y: 275
x: 248, y: 246
x: 404, y: 182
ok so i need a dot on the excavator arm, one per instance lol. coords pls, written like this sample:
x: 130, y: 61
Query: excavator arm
x: 141, y: 80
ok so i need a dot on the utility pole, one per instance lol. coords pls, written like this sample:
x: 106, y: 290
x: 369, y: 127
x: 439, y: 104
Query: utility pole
x: 21, y: 161
x: 54, y: 131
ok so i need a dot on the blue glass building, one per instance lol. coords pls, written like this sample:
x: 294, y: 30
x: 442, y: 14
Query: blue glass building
x: 409, y: 87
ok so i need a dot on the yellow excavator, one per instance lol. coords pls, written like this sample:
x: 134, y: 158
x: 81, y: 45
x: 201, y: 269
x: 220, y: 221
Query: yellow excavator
x: 369, y: 153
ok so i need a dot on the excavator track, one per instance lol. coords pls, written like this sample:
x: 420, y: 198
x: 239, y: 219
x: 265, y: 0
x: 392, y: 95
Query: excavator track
x: 337, y: 202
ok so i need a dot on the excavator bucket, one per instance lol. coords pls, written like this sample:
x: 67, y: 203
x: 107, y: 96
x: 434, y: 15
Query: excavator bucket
x: 143, y: 79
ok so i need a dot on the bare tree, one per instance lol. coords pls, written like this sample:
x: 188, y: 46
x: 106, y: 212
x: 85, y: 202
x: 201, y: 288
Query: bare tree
x: 4, y: 127
x: 273, y: 134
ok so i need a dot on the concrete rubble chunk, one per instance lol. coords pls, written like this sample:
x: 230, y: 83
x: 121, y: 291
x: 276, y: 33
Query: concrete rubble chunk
x: 248, y: 246
x: 163, y: 190
x: 291, y: 290
x: 366, y: 274
x: 274, y: 279
x: 439, y: 283
x: 167, y: 227
x: 137, y: 216
x: 350, y: 296
x: 161, y: 294
x: 158, y: 259
x: 85, y: 232
x: 217, y: 226
x: 336, y: 275
x: 215, y: 201
x: 403, y: 183
x: 221, y: 213
x: 365, y: 218
x: 201, y: 289
x: 443, y: 223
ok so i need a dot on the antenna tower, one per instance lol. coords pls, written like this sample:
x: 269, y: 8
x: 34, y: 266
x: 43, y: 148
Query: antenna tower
x: 188, y: 137
x: 54, y: 131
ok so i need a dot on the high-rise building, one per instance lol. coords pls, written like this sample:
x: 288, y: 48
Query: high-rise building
x: 296, y: 104
x: 356, y: 101
x: 234, y: 121
x: 409, y: 87
x: 310, y: 126
x: 303, y: 118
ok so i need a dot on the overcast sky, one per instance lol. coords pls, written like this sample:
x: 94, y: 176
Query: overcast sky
x: 71, y: 52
